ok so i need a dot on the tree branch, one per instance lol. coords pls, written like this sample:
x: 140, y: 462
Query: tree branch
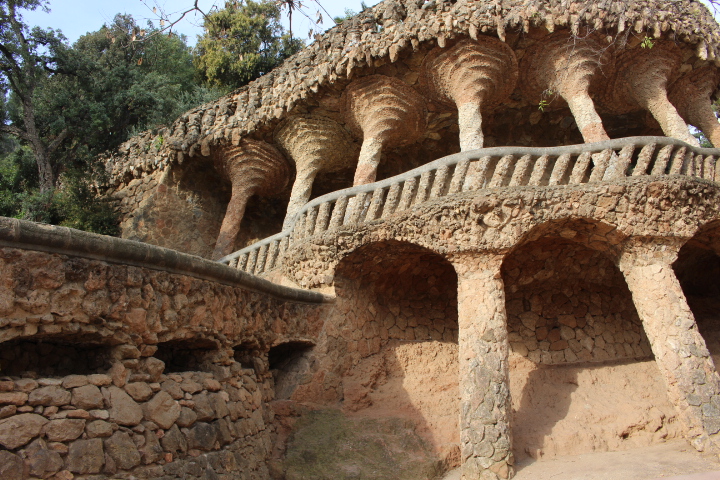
x: 166, y: 18
x: 13, y: 130
x: 58, y: 140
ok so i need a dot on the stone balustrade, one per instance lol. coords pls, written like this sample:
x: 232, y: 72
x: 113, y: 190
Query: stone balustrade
x: 489, y: 168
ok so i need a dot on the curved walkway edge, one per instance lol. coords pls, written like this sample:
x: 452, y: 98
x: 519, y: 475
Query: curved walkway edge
x: 28, y: 235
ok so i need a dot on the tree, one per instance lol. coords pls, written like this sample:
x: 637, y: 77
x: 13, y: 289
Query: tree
x: 26, y: 59
x: 123, y: 79
x: 242, y: 42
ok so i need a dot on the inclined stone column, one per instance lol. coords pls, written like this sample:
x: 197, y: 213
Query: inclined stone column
x: 483, y: 344
x: 386, y: 113
x: 566, y: 66
x: 679, y: 349
x: 691, y: 96
x: 314, y: 143
x: 641, y: 81
x: 474, y: 75
x: 254, y: 168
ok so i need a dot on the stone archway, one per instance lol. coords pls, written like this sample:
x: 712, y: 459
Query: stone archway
x: 698, y: 270
x: 387, y: 358
x: 578, y: 351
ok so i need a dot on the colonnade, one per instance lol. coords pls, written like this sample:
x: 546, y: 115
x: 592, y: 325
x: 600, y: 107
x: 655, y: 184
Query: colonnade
x: 476, y: 77
x: 693, y: 384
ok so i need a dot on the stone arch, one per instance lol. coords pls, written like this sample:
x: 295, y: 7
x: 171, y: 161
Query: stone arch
x: 389, y: 350
x: 578, y: 350
x: 697, y: 268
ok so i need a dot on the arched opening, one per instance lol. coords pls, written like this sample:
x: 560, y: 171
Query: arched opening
x: 54, y: 356
x: 290, y: 365
x: 186, y: 355
x: 389, y: 356
x: 582, y: 375
x: 698, y: 270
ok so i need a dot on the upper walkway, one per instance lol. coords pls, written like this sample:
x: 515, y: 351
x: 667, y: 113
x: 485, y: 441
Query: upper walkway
x: 500, y: 172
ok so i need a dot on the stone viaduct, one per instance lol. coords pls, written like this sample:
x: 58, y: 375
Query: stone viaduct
x: 479, y: 224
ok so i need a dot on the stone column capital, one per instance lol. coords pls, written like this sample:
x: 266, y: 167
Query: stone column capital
x: 477, y: 264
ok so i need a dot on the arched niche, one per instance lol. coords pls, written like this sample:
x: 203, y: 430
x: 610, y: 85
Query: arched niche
x: 698, y: 270
x: 390, y: 350
x: 578, y: 350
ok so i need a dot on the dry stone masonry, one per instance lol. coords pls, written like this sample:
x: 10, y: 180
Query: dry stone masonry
x: 499, y: 223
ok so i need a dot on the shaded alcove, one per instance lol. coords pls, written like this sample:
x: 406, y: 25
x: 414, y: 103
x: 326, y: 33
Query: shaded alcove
x: 54, y: 356
x: 582, y: 375
x: 290, y: 365
x: 186, y: 355
x: 698, y: 270
x: 394, y: 341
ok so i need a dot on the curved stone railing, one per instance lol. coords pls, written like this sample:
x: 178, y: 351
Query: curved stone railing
x: 486, y: 168
x: 26, y: 235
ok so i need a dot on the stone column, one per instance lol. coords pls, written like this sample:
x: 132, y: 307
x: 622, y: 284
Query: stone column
x: 315, y: 144
x: 484, y: 393
x: 385, y: 112
x: 679, y: 349
x: 691, y: 96
x: 474, y: 75
x: 641, y: 82
x: 565, y: 66
x: 253, y: 168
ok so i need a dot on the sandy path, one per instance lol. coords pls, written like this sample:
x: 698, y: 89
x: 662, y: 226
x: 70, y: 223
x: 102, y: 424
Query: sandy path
x: 674, y: 460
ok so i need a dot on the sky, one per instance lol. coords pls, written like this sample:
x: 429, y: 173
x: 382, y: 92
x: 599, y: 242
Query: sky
x: 77, y: 17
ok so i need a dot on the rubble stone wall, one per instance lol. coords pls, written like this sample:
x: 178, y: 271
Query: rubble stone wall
x: 567, y: 304
x: 182, y: 425
x: 387, y: 295
x: 123, y: 370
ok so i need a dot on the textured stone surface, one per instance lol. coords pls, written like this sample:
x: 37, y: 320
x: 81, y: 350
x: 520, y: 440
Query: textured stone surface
x: 85, y: 456
x: 11, y: 466
x: 50, y: 396
x: 384, y: 112
x: 42, y: 460
x: 124, y: 410
x: 87, y: 397
x: 64, y: 430
x: 476, y: 76
x: 139, y: 391
x: 122, y: 450
x: 18, y: 430
x: 188, y: 365
x: 162, y: 410
x: 254, y: 168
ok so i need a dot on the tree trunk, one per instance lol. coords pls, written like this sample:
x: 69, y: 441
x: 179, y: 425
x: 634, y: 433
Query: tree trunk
x: 40, y: 151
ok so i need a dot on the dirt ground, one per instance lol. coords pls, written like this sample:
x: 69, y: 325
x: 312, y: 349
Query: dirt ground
x: 674, y: 460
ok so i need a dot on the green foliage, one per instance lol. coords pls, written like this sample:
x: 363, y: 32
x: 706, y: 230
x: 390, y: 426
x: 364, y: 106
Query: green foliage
x: 125, y: 79
x: 74, y: 204
x: 78, y: 206
x: 647, y: 43
x: 702, y: 139
x: 27, y: 58
x: 347, y: 16
x: 18, y: 175
x: 88, y: 98
x: 242, y: 42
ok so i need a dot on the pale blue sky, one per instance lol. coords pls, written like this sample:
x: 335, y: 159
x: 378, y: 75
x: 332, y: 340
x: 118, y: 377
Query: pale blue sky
x: 77, y: 17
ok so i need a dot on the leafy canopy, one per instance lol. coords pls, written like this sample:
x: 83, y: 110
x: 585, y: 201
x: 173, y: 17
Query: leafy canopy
x: 242, y: 42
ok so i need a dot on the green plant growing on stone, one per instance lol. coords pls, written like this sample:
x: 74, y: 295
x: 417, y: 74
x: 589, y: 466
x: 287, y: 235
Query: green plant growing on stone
x: 545, y: 100
x: 647, y: 43
x: 158, y: 142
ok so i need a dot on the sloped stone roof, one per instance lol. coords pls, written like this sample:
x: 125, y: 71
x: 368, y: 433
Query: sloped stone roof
x: 387, y: 30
